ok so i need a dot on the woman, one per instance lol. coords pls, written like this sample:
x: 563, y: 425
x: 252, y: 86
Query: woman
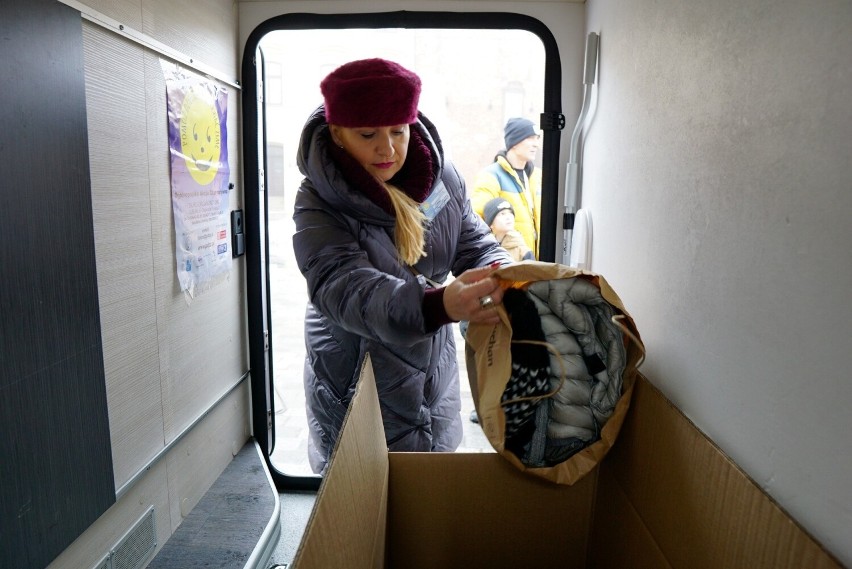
x: 381, y: 221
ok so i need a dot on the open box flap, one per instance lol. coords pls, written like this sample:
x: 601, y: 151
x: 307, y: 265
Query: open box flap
x: 347, y: 524
x: 669, y: 497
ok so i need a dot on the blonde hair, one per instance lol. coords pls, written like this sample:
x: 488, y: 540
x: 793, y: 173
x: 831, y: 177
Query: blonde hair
x: 409, y: 233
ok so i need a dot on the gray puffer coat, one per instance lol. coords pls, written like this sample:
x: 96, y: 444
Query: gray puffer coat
x: 362, y: 299
x: 577, y: 322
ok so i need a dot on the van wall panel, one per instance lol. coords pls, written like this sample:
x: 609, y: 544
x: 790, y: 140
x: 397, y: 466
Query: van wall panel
x: 201, y: 340
x: 717, y: 173
x: 181, y: 478
x: 121, y: 209
x: 200, y: 457
x: 160, y: 352
x: 203, y: 29
x: 127, y: 12
x: 97, y: 541
x: 201, y: 356
x: 56, y: 474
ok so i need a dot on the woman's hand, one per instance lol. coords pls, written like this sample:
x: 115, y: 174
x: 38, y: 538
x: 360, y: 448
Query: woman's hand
x: 474, y: 295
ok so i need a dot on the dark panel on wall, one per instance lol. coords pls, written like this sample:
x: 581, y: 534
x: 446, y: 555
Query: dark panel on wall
x: 55, y: 460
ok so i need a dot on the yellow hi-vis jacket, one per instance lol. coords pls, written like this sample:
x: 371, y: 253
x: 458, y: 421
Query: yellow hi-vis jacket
x: 499, y: 180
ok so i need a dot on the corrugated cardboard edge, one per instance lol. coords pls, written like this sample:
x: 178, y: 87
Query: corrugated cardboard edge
x: 677, y: 500
x: 347, y: 526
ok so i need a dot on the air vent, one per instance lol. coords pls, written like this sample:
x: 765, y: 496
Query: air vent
x: 137, y: 546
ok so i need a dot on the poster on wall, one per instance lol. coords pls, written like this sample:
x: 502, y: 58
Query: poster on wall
x: 197, y: 114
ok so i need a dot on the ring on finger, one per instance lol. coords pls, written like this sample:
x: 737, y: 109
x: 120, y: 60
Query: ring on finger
x: 486, y: 301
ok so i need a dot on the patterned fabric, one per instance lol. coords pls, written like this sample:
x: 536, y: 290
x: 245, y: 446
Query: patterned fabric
x: 530, y: 376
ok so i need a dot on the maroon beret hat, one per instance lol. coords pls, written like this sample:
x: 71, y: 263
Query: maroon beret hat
x: 371, y: 92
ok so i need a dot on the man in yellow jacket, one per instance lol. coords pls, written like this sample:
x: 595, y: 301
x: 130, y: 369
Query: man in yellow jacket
x: 514, y: 177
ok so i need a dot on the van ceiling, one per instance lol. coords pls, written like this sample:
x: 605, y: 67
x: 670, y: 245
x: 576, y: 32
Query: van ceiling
x: 425, y: 1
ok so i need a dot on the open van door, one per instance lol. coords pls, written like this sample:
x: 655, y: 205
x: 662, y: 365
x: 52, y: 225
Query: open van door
x: 470, y: 110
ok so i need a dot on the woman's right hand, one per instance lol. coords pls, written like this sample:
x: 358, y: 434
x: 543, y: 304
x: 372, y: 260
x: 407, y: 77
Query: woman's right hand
x: 466, y: 298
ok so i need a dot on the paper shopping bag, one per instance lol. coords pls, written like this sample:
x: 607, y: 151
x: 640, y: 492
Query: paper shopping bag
x: 591, y: 348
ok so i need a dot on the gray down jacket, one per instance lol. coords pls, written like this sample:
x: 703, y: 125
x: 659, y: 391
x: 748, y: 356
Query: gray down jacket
x: 363, y: 300
x: 577, y: 323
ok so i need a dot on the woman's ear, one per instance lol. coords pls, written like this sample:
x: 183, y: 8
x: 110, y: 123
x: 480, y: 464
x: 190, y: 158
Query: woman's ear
x: 335, y: 135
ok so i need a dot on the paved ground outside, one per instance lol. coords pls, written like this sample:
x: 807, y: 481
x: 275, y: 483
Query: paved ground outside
x: 288, y: 300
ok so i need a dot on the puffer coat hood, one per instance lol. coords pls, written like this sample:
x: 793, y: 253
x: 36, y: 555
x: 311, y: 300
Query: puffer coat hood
x: 362, y: 299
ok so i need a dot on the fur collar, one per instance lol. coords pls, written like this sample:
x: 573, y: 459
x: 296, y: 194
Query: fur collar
x: 415, y: 178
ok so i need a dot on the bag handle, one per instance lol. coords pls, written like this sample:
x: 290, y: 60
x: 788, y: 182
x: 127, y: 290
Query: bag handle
x: 617, y: 321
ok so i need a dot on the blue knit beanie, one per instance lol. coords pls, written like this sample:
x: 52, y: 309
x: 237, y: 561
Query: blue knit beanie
x: 517, y: 129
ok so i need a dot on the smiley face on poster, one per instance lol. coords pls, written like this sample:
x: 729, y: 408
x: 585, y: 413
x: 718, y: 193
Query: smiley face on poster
x: 200, y: 136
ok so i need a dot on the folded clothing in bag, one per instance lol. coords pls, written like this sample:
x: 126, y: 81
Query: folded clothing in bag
x: 529, y: 379
x: 586, y: 361
x: 570, y: 326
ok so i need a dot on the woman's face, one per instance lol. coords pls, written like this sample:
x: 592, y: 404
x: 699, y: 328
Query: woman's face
x: 381, y: 150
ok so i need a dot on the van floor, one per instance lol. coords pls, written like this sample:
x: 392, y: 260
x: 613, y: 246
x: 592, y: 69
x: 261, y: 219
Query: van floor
x: 224, y: 528
x: 296, y: 508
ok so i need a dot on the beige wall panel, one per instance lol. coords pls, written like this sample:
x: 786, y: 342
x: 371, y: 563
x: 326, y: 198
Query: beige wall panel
x: 127, y: 12
x: 200, y: 457
x: 104, y: 534
x: 121, y: 208
x: 202, y: 341
x: 205, y: 353
x: 205, y: 30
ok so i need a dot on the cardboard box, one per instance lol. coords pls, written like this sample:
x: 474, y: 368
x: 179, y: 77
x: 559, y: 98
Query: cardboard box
x: 665, y: 496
